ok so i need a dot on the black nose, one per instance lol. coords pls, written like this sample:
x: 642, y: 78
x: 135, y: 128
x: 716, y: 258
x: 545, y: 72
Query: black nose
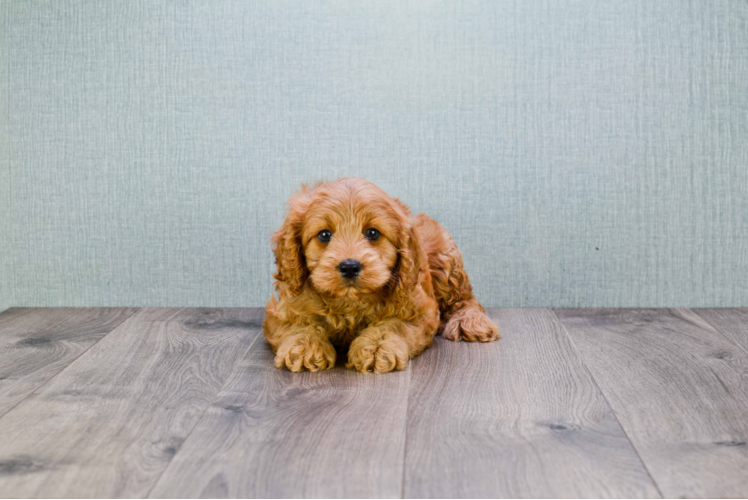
x: 350, y: 268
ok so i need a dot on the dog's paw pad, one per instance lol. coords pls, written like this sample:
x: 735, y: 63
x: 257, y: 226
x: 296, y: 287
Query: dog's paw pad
x: 305, y: 353
x: 472, y: 325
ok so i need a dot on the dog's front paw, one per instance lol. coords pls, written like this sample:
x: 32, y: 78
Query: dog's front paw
x: 471, y: 324
x: 381, y: 352
x: 305, y: 352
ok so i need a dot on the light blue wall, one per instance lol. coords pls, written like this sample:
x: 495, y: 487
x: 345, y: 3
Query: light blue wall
x: 582, y: 153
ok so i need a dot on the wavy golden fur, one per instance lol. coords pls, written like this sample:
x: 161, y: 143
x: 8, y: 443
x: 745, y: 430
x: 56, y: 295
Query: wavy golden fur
x: 410, y: 285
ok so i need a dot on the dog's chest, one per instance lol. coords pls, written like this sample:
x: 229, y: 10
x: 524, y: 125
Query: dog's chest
x: 345, y: 319
x: 342, y: 329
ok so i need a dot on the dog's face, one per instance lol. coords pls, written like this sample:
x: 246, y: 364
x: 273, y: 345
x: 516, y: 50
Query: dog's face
x: 345, y: 238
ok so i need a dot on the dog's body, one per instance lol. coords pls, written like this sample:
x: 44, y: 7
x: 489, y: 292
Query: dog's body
x: 356, y: 270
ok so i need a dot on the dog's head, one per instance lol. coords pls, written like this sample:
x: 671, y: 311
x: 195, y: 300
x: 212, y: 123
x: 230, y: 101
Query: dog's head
x: 346, y: 238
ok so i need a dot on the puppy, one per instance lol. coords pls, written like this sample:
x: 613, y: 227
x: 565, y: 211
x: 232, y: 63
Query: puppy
x: 356, y: 271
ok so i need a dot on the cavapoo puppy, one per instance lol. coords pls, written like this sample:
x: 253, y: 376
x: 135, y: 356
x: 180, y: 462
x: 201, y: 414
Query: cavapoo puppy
x: 356, y: 271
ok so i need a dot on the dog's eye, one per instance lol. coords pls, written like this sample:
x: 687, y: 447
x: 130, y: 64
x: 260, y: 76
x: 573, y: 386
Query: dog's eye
x: 372, y: 234
x: 324, y: 236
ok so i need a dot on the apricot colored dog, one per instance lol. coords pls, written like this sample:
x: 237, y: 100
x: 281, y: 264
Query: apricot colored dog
x: 356, y: 271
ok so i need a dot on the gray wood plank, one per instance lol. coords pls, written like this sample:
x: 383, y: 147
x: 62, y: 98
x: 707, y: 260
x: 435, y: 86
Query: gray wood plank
x: 36, y: 344
x: 730, y: 322
x: 108, y: 425
x: 273, y: 433
x: 520, y: 417
x: 679, y: 389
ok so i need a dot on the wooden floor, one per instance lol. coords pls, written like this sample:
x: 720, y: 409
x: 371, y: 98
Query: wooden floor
x: 187, y: 403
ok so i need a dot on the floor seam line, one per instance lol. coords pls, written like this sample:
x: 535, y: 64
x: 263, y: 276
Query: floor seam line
x: 50, y: 379
x: 405, y: 439
x: 202, y: 415
x: 607, y: 402
x: 740, y: 348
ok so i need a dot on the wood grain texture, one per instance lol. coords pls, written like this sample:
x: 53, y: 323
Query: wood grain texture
x: 520, y: 417
x: 273, y: 433
x: 36, y: 344
x: 730, y: 322
x: 679, y: 390
x: 108, y: 425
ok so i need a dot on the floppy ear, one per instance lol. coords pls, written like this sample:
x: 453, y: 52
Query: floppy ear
x: 409, y: 258
x: 286, y: 243
x: 409, y: 262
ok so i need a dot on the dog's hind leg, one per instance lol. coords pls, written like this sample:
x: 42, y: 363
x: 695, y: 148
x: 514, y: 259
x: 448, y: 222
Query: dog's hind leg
x: 462, y: 316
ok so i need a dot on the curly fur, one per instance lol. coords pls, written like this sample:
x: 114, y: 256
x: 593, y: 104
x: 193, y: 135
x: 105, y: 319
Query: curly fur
x: 412, y: 284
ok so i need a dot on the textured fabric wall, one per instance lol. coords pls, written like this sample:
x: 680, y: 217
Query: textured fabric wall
x: 581, y: 153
